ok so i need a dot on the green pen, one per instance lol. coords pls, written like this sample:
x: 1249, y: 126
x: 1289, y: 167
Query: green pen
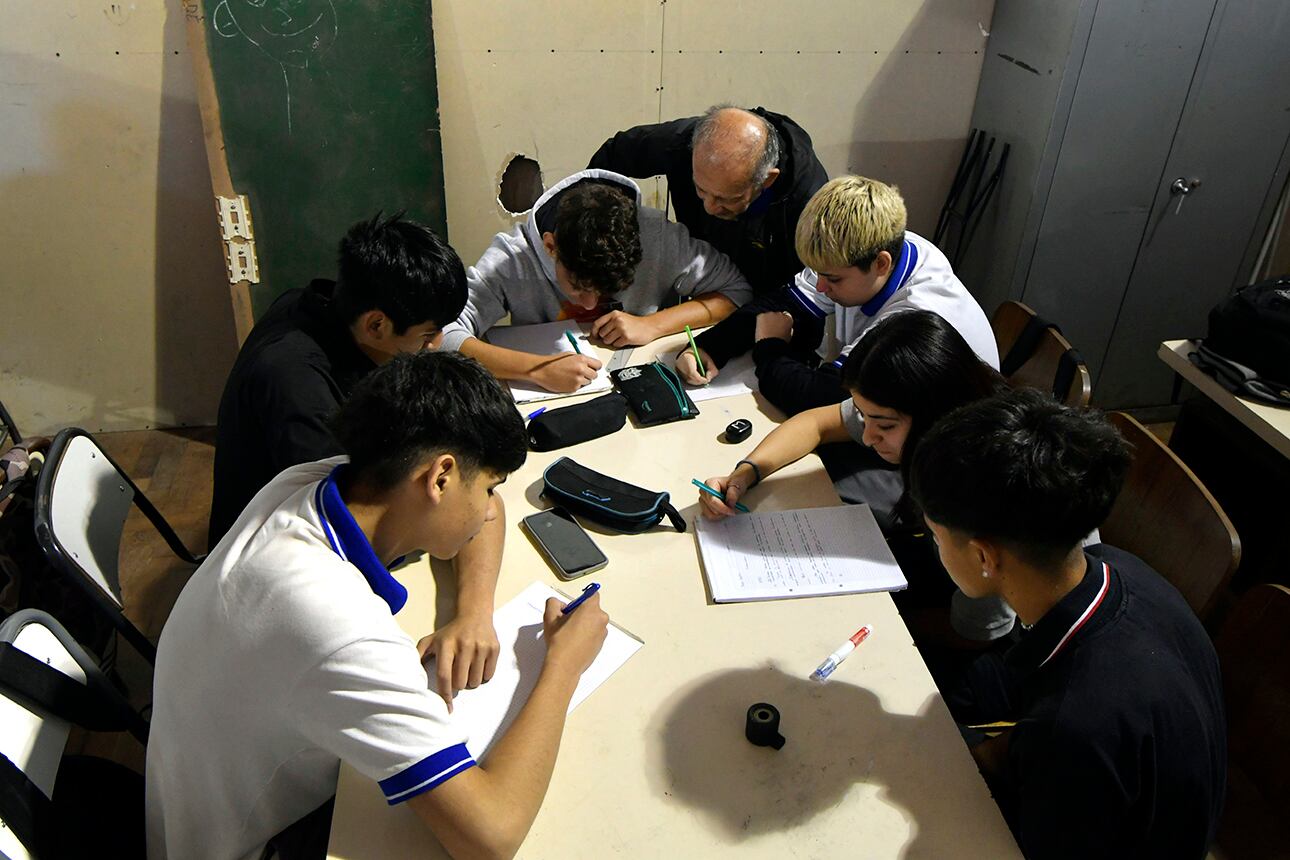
x: 738, y: 506
x: 573, y: 342
x: 694, y: 348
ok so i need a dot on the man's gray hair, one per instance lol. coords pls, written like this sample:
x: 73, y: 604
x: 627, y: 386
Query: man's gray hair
x: 708, y: 132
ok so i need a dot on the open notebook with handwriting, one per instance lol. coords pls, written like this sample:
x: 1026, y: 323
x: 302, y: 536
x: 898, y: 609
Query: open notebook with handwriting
x: 811, y: 552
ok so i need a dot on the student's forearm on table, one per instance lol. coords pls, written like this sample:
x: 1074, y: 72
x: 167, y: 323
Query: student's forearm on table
x: 797, y: 437
x: 703, y: 310
x: 504, y: 363
x: 477, y: 566
x: 488, y: 810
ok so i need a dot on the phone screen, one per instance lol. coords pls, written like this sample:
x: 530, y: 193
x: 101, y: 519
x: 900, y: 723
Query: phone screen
x: 564, y: 543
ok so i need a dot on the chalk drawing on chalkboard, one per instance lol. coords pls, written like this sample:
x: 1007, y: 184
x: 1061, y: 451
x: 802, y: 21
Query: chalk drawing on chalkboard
x: 292, y: 33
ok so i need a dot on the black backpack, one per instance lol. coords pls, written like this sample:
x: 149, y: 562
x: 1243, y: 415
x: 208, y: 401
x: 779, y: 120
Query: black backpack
x: 1250, y: 329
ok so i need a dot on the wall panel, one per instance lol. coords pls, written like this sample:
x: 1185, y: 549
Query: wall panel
x: 885, y: 88
x: 116, y: 310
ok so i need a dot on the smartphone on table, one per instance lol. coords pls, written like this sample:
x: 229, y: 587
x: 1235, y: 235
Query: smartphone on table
x: 568, y: 549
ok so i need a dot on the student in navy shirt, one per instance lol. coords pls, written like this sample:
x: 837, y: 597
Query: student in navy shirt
x: 1118, y: 747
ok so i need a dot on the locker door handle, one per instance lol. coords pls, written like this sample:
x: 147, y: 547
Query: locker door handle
x: 1180, y: 188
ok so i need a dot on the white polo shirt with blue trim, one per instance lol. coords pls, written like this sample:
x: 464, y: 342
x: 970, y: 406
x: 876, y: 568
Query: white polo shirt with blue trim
x: 280, y: 660
x: 921, y: 280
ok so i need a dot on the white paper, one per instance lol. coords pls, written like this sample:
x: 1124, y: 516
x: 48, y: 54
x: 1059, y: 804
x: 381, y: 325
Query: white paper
x: 739, y: 376
x: 803, y: 553
x: 547, y: 339
x: 489, y: 708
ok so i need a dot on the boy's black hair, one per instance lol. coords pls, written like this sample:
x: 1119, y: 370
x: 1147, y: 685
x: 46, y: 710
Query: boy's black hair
x: 917, y: 363
x: 1022, y: 469
x: 597, y: 236
x: 895, y: 248
x: 402, y: 269
x: 424, y: 404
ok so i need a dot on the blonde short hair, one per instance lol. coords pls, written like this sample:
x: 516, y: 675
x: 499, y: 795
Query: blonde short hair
x: 848, y: 222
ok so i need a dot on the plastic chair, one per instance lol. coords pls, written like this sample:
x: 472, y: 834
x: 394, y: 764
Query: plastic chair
x: 1165, y: 516
x: 9, y: 434
x: 82, y: 499
x: 1252, y: 648
x: 47, y: 683
x: 1034, y: 354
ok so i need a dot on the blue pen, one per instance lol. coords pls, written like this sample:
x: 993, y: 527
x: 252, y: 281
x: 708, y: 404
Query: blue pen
x: 738, y: 506
x: 536, y: 412
x: 577, y: 601
x: 573, y: 341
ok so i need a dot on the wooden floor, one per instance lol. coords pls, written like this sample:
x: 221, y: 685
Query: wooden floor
x: 173, y: 468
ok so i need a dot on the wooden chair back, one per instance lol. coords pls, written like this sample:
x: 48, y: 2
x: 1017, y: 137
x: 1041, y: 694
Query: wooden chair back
x: 1040, y: 369
x: 1254, y: 649
x: 1165, y: 516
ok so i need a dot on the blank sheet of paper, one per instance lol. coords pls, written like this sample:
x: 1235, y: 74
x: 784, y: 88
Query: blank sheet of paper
x: 489, y: 708
x: 547, y: 339
x: 804, y: 553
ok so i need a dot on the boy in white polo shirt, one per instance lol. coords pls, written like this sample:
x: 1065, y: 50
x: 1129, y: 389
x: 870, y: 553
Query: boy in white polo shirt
x: 282, y: 656
x: 863, y: 265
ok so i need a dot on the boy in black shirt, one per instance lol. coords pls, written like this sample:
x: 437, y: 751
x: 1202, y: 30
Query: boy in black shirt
x: 398, y: 285
x: 1118, y: 747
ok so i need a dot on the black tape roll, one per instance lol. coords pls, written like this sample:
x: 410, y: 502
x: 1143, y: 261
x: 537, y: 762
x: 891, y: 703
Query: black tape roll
x: 762, y: 726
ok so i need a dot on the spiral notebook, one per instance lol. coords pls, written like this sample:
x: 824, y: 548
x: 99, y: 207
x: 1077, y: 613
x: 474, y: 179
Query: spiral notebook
x: 812, y: 552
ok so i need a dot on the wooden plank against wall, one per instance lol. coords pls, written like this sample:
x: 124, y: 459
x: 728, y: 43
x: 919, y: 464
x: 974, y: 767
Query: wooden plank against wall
x: 221, y: 181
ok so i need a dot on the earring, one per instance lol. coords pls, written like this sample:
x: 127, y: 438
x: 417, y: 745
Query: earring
x: 985, y: 573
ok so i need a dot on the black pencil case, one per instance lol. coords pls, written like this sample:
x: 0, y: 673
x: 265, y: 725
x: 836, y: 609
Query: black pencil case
x: 569, y: 425
x: 655, y: 393
x: 613, y: 503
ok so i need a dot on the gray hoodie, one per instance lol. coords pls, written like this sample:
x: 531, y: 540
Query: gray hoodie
x: 517, y: 276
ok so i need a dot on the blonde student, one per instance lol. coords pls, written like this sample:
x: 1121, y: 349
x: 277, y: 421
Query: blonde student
x: 863, y: 265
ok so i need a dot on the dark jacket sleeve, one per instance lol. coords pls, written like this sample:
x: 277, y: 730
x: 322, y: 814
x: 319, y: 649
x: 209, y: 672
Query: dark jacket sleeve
x: 301, y: 410
x: 643, y: 151
x: 792, y: 380
x: 733, y: 336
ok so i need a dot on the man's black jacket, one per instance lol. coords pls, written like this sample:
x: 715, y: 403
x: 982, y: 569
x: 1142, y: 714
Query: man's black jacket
x: 761, y: 241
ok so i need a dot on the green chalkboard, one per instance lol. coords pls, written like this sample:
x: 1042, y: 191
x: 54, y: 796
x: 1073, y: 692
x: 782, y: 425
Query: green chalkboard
x: 330, y: 112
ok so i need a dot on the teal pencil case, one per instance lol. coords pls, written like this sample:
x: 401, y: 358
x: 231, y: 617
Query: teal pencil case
x: 654, y: 393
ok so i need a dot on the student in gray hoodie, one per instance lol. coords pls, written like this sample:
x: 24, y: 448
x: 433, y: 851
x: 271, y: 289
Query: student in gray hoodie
x: 589, y: 252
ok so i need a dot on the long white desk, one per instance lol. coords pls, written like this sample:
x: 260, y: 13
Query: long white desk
x: 655, y: 763
x: 1269, y: 423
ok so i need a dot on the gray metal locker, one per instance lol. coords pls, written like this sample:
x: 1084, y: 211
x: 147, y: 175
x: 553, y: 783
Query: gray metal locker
x: 1149, y: 148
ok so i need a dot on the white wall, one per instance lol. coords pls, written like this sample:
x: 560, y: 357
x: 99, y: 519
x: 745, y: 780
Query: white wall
x: 884, y: 87
x: 115, y: 311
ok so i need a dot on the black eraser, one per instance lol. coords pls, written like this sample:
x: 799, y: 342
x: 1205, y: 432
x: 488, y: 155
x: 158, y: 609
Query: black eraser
x: 738, y: 430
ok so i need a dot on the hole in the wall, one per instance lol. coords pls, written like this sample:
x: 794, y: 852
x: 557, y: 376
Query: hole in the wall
x: 520, y: 185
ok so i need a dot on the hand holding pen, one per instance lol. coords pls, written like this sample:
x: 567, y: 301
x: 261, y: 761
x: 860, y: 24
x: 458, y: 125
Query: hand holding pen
x: 573, y: 639
x: 719, y: 497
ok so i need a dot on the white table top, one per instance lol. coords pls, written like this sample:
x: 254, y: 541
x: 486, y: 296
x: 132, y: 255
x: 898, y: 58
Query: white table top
x: 1271, y: 424
x: 654, y: 763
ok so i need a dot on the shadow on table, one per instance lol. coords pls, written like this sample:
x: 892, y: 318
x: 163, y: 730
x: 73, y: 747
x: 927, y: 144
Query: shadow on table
x: 838, y: 734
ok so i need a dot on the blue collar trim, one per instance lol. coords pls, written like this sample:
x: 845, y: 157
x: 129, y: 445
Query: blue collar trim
x: 899, y: 275
x: 349, y: 542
